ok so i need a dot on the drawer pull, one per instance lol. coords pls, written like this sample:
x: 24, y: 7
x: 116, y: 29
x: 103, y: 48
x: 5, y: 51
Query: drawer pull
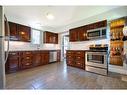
x: 27, y: 57
x: 27, y: 64
x: 27, y: 52
x: 13, y: 53
x: 78, y: 63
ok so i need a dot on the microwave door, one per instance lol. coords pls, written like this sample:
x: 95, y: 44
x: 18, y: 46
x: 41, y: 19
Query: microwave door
x: 6, y: 37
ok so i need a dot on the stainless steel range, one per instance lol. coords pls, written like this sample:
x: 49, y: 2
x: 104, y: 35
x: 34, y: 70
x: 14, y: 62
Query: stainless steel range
x: 97, y: 59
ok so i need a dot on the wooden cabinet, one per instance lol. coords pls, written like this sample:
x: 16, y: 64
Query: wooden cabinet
x: 97, y: 25
x: 50, y: 37
x: 13, y: 31
x: 36, y: 58
x: 73, y: 35
x: 58, y: 55
x: 80, y: 33
x: 18, y: 32
x: 24, y: 32
x: 26, y: 60
x: 76, y: 58
x: 20, y: 60
x: 13, y: 61
x: 44, y: 57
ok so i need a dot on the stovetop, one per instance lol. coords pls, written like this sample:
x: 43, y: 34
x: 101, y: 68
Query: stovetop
x: 98, y: 48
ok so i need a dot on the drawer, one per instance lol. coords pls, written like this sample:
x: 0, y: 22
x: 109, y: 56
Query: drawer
x: 80, y: 64
x: 26, y: 60
x: 70, y: 57
x: 70, y: 52
x: 26, y: 65
x: 70, y: 62
x: 79, y: 58
x: 80, y: 54
x: 13, y: 54
x: 27, y: 53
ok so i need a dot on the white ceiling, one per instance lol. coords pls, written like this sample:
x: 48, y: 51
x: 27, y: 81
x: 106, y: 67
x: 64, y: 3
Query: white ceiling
x: 64, y: 15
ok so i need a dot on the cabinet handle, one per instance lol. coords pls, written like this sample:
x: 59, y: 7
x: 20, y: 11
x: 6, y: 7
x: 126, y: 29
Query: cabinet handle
x: 27, y: 52
x: 27, y: 64
x: 13, y: 53
x: 78, y: 63
x: 27, y: 57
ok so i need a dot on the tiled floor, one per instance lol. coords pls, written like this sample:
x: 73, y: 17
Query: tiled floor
x: 60, y: 76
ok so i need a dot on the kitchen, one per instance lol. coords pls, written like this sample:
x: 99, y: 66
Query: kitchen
x: 35, y: 55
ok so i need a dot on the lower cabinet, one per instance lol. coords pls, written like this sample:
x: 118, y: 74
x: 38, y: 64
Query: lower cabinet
x: 36, y: 58
x: 20, y: 60
x: 26, y: 60
x: 44, y: 57
x: 12, y: 64
x: 76, y: 58
x: 58, y: 55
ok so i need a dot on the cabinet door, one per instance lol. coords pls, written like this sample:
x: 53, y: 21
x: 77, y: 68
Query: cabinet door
x: 47, y: 37
x: 24, y: 33
x: 55, y: 38
x: 73, y: 35
x: 13, y: 31
x: 44, y: 57
x: 80, y: 64
x: 70, y: 58
x: 50, y: 37
x: 36, y: 58
x: 82, y: 34
x: 58, y: 55
x: 26, y: 60
x: 13, y: 62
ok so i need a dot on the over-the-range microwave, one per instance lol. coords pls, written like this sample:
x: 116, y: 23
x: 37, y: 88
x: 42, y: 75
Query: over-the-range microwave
x: 96, y: 33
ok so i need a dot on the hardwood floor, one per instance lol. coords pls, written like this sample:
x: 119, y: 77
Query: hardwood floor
x: 60, y: 76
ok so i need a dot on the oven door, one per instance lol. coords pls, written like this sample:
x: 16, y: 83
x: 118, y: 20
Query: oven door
x: 96, y: 59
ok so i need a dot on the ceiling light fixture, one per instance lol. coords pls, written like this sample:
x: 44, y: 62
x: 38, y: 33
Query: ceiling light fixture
x: 49, y: 16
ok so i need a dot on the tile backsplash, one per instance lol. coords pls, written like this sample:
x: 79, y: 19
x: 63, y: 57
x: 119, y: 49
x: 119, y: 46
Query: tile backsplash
x: 15, y: 46
x: 85, y: 44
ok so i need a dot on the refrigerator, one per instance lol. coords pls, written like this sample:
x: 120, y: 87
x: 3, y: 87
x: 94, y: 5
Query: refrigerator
x: 3, y: 39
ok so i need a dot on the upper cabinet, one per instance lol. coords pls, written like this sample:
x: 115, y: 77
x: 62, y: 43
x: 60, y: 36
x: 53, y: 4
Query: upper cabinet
x: 19, y: 32
x: 80, y: 33
x: 73, y: 35
x: 50, y: 37
x: 13, y: 31
x: 24, y: 32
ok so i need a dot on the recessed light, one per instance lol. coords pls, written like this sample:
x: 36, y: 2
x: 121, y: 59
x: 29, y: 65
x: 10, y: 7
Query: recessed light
x: 49, y: 16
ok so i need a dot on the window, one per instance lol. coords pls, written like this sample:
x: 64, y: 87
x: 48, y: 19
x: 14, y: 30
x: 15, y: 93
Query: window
x: 36, y: 35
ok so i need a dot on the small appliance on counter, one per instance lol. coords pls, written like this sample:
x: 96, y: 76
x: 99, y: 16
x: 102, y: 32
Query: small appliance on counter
x: 97, y: 59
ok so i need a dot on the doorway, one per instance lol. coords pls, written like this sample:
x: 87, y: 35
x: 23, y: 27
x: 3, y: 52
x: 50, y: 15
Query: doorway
x: 65, y: 45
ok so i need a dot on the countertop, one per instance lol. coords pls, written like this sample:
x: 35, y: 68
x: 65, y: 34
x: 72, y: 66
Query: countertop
x: 33, y: 50
x: 89, y: 50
